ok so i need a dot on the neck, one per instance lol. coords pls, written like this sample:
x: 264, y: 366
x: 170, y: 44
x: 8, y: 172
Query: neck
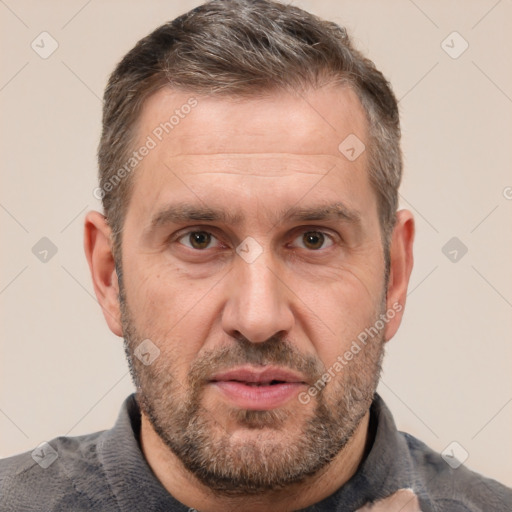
x: 187, y: 489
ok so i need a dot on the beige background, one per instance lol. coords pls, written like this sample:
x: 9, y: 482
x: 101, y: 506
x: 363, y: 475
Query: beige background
x: 447, y: 375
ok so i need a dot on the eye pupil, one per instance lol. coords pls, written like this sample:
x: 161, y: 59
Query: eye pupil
x: 313, y: 239
x: 200, y: 239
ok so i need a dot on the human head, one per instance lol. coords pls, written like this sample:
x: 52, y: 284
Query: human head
x: 252, y: 158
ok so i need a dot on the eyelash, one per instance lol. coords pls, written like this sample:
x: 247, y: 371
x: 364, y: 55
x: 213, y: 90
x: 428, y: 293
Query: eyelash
x: 312, y: 229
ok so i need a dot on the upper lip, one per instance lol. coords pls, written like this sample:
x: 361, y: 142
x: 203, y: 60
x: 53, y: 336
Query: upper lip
x: 263, y: 374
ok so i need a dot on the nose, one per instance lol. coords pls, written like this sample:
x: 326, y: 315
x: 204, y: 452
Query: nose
x: 258, y: 305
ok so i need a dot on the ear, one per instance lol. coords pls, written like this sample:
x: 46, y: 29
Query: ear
x: 401, y: 261
x: 98, y: 250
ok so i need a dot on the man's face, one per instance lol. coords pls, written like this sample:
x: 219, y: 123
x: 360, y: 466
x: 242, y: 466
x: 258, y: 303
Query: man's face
x: 246, y: 325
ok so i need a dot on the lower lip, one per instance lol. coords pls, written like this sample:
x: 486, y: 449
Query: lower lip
x: 257, y: 397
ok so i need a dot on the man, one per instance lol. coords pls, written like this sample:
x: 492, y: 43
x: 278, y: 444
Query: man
x: 252, y: 257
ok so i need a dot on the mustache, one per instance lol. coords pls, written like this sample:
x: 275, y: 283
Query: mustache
x: 278, y: 351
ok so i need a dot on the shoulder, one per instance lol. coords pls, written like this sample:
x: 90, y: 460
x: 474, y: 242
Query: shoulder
x: 453, y: 487
x: 62, y: 474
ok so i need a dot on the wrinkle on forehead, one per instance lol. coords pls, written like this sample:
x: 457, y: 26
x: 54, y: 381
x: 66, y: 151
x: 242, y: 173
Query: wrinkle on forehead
x: 316, y: 121
x: 256, y: 152
x: 254, y: 164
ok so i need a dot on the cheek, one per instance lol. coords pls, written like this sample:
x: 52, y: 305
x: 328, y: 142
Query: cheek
x: 158, y: 292
x: 343, y: 311
x: 175, y: 312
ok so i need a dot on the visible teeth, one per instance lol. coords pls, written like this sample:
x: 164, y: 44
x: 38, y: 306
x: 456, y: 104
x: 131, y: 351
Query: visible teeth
x: 262, y: 383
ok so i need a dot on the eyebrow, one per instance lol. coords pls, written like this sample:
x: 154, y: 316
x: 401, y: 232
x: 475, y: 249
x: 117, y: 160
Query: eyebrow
x: 337, y: 211
x: 183, y: 213
x: 180, y: 213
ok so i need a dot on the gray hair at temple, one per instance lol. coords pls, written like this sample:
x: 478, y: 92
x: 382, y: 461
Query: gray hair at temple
x: 246, y: 48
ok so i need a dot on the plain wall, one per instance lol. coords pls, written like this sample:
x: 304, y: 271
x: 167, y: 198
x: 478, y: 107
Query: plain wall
x: 447, y: 373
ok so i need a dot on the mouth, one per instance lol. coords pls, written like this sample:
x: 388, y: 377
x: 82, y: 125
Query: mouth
x: 258, y: 388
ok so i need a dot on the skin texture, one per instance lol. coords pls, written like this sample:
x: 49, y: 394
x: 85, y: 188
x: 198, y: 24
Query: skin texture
x: 298, y: 305
x: 403, y: 500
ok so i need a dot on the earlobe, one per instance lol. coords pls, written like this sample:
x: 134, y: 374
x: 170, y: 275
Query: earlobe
x: 98, y: 250
x: 401, y: 263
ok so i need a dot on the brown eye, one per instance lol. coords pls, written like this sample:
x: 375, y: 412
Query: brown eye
x: 313, y: 240
x: 197, y: 239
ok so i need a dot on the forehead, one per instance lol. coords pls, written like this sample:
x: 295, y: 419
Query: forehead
x: 280, y: 144
x: 277, y: 121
